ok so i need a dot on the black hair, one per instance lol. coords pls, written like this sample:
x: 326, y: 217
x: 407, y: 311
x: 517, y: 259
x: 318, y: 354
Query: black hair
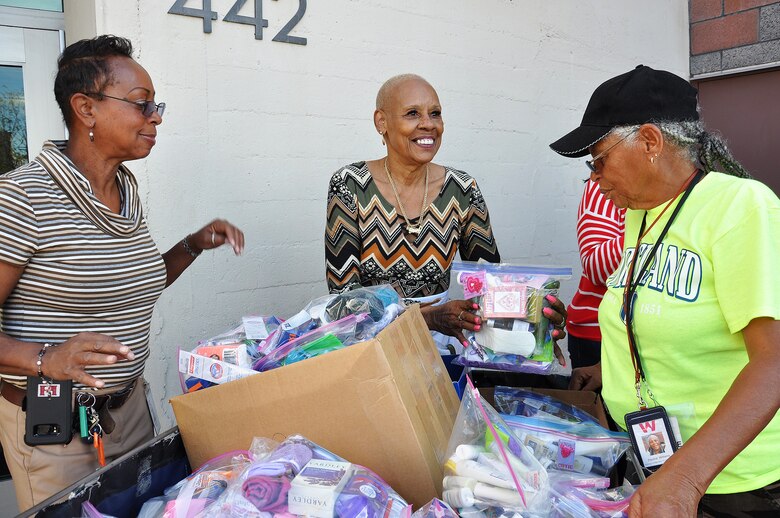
x: 84, y: 67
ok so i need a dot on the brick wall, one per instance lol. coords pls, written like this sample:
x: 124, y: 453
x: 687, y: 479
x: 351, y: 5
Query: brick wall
x: 731, y: 34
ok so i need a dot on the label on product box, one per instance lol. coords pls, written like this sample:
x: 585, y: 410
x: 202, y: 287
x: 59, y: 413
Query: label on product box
x: 210, y: 369
x: 234, y: 354
x: 255, y: 328
x: 507, y: 301
x: 313, y: 491
x: 566, y: 450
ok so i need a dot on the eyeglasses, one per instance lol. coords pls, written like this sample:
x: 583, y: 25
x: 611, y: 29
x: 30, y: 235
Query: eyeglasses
x: 592, y: 162
x: 147, y: 107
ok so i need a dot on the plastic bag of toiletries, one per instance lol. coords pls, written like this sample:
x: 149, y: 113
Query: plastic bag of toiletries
x: 381, y: 302
x: 435, y: 509
x: 326, y: 338
x: 190, y: 496
x: 517, y: 401
x: 236, y: 347
x: 295, y: 326
x: 488, y: 469
x: 268, y: 484
x: 589, y: 497
x: 581, y: 447
x: 515, y: 334
x: 605, y: 503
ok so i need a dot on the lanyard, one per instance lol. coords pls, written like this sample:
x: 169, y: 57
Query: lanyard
x: 632, y: 285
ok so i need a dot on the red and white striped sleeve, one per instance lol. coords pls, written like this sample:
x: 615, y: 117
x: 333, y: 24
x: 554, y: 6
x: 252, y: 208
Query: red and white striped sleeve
x: 600, y: 229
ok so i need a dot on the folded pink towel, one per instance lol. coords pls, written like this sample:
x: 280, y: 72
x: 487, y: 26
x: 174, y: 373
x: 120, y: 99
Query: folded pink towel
x: 267, y: 493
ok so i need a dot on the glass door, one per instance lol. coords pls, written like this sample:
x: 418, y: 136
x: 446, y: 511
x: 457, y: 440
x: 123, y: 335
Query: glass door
x: 28, y: 112
x: 13, y: 123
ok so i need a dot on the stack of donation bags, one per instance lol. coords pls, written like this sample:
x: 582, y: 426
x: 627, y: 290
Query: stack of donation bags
x: 279, y: 480
x: 262, y: 343
x: 538, y: 457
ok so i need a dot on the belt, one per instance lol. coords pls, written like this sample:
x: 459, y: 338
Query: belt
x: 112, y: 401
x: 12, y: 393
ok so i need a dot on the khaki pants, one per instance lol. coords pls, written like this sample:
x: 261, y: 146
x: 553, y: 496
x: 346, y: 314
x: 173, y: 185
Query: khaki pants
x: 41, y: 471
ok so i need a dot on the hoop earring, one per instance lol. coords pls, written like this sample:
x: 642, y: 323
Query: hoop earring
x: 652, y: 159
x: 91, y: 136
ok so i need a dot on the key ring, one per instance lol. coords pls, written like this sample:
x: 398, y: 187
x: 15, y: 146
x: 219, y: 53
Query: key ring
x: 82, y: 399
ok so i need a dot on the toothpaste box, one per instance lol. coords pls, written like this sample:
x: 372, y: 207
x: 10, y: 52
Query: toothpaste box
x: 210, y: 369
x: 314, y: 490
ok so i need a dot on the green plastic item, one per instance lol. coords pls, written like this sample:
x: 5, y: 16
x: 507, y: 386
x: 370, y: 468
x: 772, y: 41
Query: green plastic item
x: 322, y: 345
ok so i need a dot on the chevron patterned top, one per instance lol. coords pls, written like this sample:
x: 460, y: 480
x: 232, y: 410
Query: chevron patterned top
x: 365, y: 241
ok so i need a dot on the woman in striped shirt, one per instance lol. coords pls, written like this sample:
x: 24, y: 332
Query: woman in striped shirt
x: 600, y: 239
x: 79, y: 272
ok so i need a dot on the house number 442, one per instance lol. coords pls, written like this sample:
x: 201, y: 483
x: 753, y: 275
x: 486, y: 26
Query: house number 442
x: 257, y: 20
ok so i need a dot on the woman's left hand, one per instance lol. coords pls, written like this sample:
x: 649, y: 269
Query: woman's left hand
x: 216, y: 234
x: 556, y: 314
x: 666, y: 493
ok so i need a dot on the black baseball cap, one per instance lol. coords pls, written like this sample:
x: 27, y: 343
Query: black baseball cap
x: 636, y: 97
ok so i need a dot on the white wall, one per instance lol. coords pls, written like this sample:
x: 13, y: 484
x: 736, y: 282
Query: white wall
x: 254, y: 129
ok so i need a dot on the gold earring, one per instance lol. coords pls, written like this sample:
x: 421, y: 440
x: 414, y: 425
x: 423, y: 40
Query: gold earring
x: 383, y: 137
x: 652, y: 159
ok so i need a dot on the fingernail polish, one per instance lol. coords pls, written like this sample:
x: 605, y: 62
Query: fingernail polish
x: 465, y: 343
x: 475, y: 306
x: 547, y: 312
x: 550, y: 298
x: 478, y: 320
x: 477, y: 328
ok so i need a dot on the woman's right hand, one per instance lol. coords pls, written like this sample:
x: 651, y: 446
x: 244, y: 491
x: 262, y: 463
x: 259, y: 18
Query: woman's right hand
x: 70, y: 359
x: 586, y: 378
x: 452, y: 317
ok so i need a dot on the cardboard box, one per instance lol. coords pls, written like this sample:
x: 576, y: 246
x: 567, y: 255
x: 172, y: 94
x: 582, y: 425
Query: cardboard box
x: 387, y: 404
x: 585, y: 400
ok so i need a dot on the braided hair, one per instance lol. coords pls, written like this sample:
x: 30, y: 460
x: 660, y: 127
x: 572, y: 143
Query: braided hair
x: 694, y: 143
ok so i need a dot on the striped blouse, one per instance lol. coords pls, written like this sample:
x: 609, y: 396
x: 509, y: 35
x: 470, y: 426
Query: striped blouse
x: 85, y: 267
x: 600, y: 228
x: 366, y: 242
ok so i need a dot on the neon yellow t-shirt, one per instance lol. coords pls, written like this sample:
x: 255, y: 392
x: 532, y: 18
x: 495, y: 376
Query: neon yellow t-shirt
x: 715, y: 271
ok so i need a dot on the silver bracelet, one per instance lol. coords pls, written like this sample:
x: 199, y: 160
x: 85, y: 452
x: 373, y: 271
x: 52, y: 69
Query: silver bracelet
x: 188, y: 248
x: 39, y: 362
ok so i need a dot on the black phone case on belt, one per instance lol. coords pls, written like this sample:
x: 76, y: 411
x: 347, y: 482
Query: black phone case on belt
x: 49, y: 408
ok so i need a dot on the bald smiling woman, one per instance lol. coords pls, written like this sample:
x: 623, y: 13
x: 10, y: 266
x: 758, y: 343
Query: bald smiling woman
x: 401, y: 219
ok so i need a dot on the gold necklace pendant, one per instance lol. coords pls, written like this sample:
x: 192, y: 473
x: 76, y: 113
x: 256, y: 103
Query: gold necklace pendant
x: 410, y: 229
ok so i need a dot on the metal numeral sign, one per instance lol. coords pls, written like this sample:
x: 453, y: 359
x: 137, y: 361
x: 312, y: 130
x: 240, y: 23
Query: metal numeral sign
x: 232, y: 16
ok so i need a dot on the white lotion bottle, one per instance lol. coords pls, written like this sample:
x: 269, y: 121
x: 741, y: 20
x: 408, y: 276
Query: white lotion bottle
x: 479, y: 472
x: 459, y: 498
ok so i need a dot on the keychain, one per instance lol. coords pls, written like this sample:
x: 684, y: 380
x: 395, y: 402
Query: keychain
x: 98, y: 441
x: 87, y: 415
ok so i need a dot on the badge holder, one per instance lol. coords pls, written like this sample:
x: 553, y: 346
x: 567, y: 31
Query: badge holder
x: 652, y: 437
x: 49, y: 410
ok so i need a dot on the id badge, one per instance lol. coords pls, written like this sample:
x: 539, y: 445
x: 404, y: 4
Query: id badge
x: 652, y: 436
